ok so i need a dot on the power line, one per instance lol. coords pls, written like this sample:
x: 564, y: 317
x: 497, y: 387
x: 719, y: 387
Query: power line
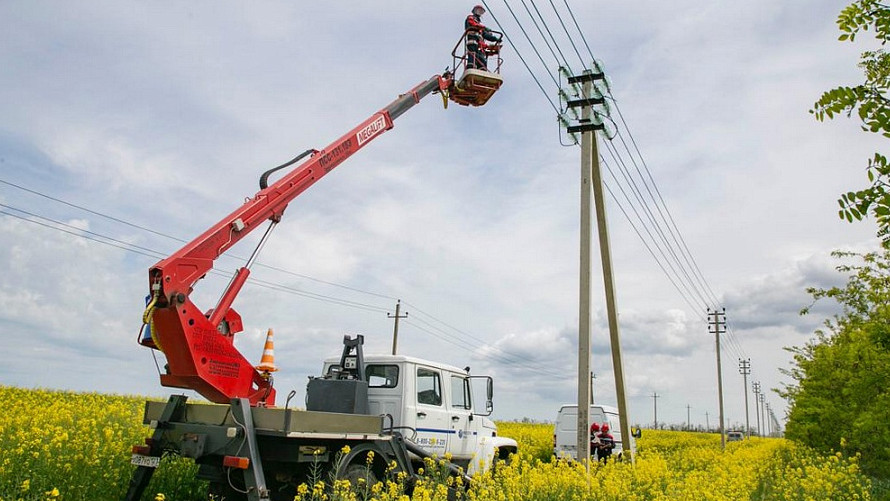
x: 79, y: 233
x: 476, y: 341
x: 689, y: 273
x: 571, y: 41
x: 635, y: 189
x: 182, y: 240
x: 534, y: 77
x: 508, y: 358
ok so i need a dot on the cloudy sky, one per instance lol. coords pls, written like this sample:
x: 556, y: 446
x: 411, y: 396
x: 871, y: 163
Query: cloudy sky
x: 127, y: 128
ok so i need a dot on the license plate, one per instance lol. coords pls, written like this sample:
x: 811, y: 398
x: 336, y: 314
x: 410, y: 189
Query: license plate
x: 149, y: 461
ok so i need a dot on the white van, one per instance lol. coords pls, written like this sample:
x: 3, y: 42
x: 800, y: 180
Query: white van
x: 565, y: 437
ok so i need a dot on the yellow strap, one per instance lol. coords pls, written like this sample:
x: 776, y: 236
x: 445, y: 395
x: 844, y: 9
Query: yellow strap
x: 146, y: 320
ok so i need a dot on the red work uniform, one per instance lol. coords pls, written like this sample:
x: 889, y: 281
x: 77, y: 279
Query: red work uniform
x: 477, y: 34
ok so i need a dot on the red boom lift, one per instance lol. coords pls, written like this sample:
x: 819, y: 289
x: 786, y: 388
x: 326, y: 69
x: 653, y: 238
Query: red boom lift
x: 199, y: 345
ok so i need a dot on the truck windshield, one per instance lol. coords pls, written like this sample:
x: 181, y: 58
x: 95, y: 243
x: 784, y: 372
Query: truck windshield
x: 460, y: 392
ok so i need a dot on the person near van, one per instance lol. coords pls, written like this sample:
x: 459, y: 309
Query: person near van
x: 594, y: 440
x: 606, y: 443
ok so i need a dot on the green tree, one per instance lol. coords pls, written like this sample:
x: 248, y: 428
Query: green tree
x: 840, y: 395
x: 870, y: 103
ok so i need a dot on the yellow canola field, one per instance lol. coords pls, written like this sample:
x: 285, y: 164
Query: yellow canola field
x: 68, y: 446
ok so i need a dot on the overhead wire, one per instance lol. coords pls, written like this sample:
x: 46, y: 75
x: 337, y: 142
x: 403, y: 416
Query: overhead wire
x: 552, y: 38
x: 665, y: 248
x: 477, y: 341
x: 670, y: 217
x: 682, y: 255
x: 155, y: 254
x: 534, y: 77
x: 130, y: 224
x: 571, y: 40
x: 532, y: 45
x: 524, y: 63
x: 474, y: 341
x: 683, y: 295
x: 508, y: 359
x: 78, y: 234
x: 671, y: 228
x: 689, y: 278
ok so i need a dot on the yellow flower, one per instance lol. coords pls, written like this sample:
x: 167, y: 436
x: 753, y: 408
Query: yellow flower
x: 160, y: 497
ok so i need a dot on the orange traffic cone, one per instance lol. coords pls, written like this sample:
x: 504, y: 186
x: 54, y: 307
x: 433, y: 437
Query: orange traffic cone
x: 267, y: 362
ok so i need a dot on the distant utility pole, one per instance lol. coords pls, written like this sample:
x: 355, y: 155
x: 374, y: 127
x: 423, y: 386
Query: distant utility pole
x: 655, y: 404
x: 591, y: 121
x: 763, y: 415
x: 688, y: 420
x: 745, y: 370
x: 756, y: 390
x: 395, y: 329
x: 717, y: 324
x: 707, y: 421
x: 768, y: 412
x: 592, y: 377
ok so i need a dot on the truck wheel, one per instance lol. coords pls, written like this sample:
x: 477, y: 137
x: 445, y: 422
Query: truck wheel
x: 361, y: 477
x: 501, y: 459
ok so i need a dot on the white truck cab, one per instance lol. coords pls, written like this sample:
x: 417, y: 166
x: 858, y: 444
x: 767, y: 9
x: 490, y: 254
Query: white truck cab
x: 565, y: 435
x: 437, y: 406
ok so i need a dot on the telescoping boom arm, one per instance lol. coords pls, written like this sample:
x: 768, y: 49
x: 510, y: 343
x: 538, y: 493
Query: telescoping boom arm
x: 199, y: 346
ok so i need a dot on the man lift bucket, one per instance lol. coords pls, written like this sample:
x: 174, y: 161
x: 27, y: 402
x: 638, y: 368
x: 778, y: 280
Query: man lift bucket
x: 477, y: 83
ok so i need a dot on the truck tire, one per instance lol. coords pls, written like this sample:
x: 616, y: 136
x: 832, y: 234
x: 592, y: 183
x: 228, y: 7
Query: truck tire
x: 361, y: 477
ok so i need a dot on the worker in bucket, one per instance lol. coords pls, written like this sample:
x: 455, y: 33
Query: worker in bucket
x: 477, y: 34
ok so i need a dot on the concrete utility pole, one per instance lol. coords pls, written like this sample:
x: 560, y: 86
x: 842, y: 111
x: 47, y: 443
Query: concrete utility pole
x: 591, y: 180
x: 755, y: 388
x: 395, y: 329
x: 717, y: 321
x: 611, y: 301
x: 655, y: 404
x: 745, y: 370
x: 688, y: 419
x: 707, y: 421
x: 588, y: 157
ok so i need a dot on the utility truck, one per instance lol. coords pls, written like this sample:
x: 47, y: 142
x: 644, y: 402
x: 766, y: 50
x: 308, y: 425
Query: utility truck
x: 245, y: 446
x: 433, y: 405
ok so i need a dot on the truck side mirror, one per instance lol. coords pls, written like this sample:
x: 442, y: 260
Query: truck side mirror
x: 476, y: 382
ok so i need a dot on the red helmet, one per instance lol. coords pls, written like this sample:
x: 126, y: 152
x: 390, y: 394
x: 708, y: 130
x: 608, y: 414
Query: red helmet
x: 473, y: 10
x: 605, y: 427
x: 594, y: 427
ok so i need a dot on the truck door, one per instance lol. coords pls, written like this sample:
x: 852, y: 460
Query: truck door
x: 463, y: 440
x: 433, y: 420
